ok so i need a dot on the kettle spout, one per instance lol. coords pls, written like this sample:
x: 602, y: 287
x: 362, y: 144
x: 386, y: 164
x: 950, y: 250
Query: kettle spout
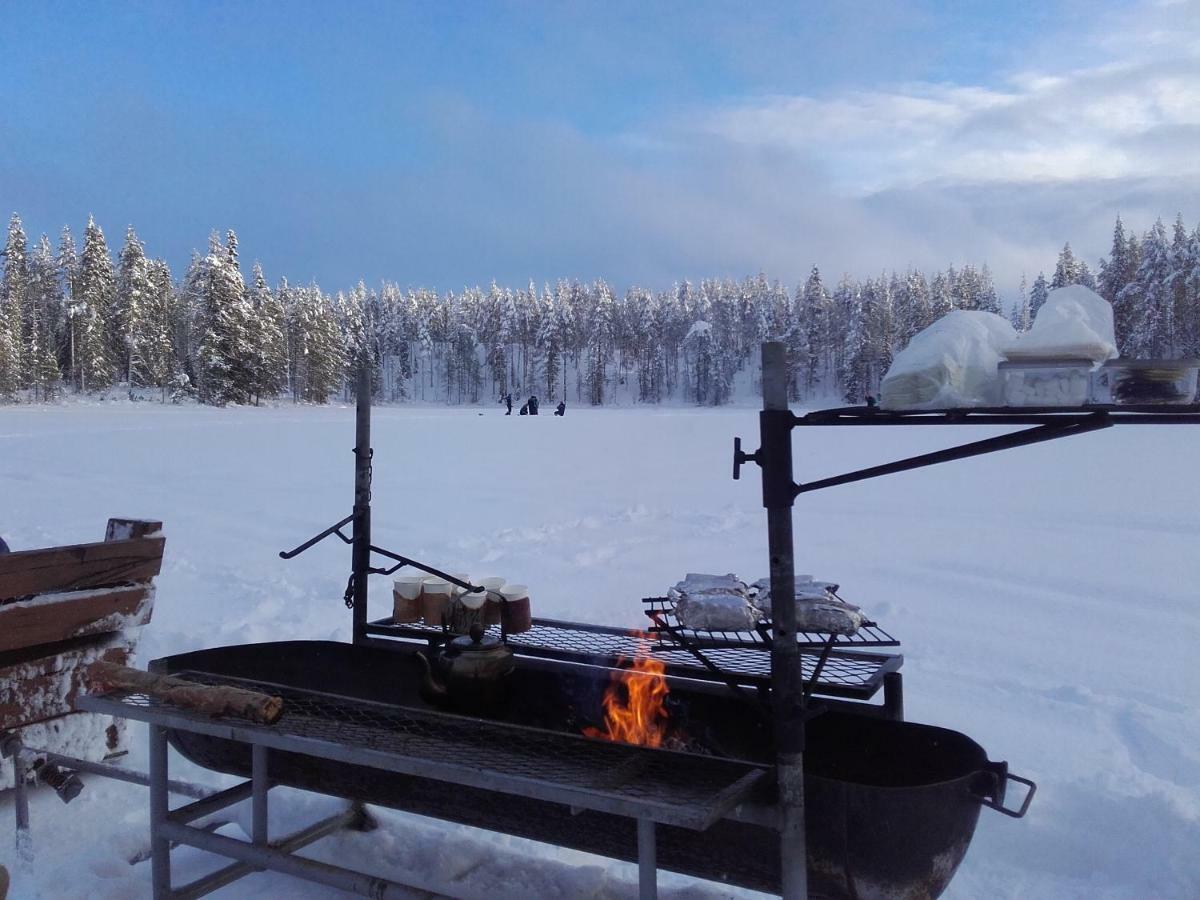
x: 432, y: 690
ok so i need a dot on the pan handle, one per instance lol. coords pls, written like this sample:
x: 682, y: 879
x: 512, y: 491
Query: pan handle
x: 998, y: 804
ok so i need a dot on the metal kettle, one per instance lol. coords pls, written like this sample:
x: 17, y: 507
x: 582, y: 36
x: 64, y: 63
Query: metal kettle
x: 470, y: 674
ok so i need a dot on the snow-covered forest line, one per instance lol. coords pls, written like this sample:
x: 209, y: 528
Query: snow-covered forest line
x: 80, y: 322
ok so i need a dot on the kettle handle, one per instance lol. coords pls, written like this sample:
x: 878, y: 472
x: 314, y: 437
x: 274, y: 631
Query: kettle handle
x: 999, y: 806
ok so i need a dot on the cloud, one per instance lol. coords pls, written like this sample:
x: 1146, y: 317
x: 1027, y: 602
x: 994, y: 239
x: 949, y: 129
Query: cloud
x: 1116, y: 120
x: 925, y: 174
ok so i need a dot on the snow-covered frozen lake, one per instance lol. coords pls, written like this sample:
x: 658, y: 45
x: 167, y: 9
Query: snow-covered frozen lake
x: 1046, y: 598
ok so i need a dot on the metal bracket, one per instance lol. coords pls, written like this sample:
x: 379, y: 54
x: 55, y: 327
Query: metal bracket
x: 740, y: 459
x: 1047, y: 432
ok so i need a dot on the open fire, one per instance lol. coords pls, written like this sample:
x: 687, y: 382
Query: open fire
x: 635, y: 705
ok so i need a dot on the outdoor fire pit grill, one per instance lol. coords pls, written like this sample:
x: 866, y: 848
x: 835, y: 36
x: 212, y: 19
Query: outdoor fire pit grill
x: 778, y: 775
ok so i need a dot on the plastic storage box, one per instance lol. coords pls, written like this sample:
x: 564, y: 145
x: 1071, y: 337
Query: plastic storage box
x: 1046, y: 382
x: 1145, y: 381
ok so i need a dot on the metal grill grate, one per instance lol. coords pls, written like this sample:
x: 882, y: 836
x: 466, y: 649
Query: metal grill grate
x: 848, y: 674
x: 668, y: 629
x: 667, y: 786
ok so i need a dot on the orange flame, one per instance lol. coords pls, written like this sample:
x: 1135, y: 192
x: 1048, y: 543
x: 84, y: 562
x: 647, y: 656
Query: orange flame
x: 634, y: 710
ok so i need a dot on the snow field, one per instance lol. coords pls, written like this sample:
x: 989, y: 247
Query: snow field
x: 1045, y: 597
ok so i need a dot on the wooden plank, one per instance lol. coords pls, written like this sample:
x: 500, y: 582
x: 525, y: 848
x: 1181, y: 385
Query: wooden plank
x: 104, y: 564
x: 60, y: 617
x: 127, y: 529
x: 45, y: 688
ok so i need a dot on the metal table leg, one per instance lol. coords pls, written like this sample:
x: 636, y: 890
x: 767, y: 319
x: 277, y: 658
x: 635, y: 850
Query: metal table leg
x: 258, y: 774
x: 24, y: 840
x: 647, y: 860
x: 160, y: 847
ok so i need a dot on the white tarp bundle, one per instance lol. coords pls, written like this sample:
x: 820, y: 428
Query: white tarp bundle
x: 1074, y: 322
x: 951, y: 363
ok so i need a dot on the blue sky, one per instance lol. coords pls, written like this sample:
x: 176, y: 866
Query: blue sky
x: 444, y: 144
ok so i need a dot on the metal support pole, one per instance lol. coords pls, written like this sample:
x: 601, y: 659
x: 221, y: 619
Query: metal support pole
x: 647, y: 860
x: 24, y: 840
x: 160, y: 845
x: 258, y: 798
x: 361, y: 554
x: 775, y: 457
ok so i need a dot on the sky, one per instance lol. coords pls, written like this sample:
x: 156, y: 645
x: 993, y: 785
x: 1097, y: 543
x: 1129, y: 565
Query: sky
x: 450, y: 144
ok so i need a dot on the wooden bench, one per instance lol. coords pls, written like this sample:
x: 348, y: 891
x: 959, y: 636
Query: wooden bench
x: 62, y: 609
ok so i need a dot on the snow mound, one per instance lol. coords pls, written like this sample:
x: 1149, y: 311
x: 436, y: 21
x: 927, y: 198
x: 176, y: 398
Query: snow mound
x: 951, y: 363
x: 1074, y: 322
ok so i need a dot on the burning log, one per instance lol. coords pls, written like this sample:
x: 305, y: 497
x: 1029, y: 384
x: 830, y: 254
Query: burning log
x: 635, y: 705
x: 213, y: 700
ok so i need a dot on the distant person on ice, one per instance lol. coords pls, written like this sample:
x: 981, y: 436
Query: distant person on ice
x: 508, y: 403
x: 525, y: 408
x: 561, y: 409
x: 533, y: 405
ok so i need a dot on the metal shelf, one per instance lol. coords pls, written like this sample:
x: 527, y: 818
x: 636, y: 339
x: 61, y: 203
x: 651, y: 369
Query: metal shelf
x: 1142, y: 414
x: 847, y: 673
x: 672, y: 635
x: 666, y: 786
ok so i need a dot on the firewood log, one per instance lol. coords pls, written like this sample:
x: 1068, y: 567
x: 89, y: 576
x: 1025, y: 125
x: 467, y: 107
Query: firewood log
x: 214, y: 700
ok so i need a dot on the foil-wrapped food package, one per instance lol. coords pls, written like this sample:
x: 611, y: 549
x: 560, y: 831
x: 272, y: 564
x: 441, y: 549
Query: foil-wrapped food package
x: 818, y: 609
x: 713, y: 603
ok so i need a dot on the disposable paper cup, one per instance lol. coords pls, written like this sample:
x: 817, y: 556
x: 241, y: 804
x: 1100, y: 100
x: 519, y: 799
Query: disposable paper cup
x: 491, y: 610
x: 472, y: 601
x: 515, y: 613
x: 406, y: 598
x: 435, y: 601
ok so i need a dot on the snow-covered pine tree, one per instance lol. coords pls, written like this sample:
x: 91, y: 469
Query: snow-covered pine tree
x: 44, y: 321
x: 855, y: 368
x: 1037, y: 295
x: 14, y: 295
x: 1066, y: 271
x: 269, y: 336
x: 811, y: 311
x: 129, y: 326
x: 600, y: 342
x: 549, y: 342
x: 968, y: 288
x: 989, y: 300
x: 699, y: 344
x: 841, y: 309
x: 320, y: 345
x: 1147, y: 299
x: 941, y: 301
x: 915, y: 312
x: 157, y: 350
x: 1193, y: 286
x: 226, y: 355
x: 10, y: 373
x: 97, y: 289
x: 1021, y: 317
x: 68, y: 278
x: 1116, y: 272
x: 1183, y: 309
x: 799, y: 356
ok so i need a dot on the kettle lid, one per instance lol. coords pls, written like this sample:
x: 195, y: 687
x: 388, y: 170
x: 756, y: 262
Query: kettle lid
x: 475, y: 640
